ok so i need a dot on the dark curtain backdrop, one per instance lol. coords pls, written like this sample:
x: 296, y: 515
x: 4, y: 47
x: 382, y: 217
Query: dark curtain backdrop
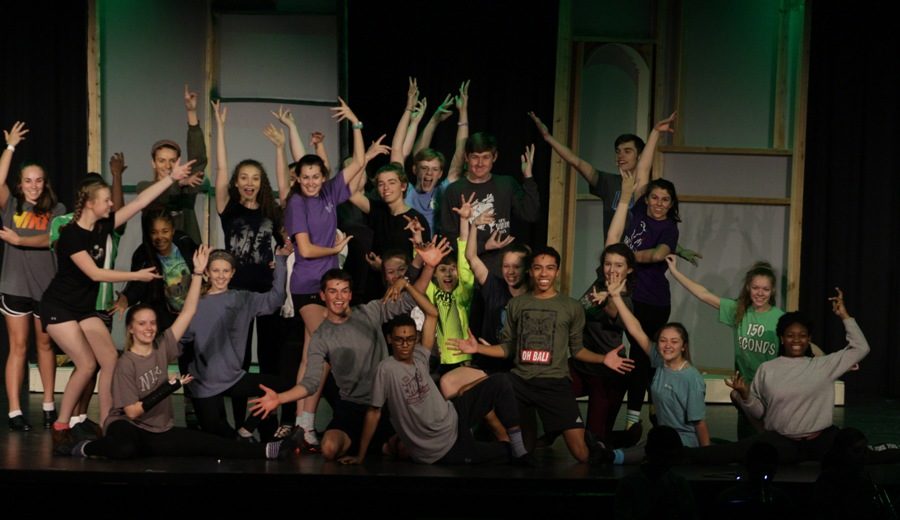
x: 44, y: 83
x: 851, y: 207
x: 507, y: 49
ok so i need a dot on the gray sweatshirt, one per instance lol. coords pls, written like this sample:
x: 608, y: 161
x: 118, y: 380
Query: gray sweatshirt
x: 219, y: 332
x: 795, y: 396
x: 354, y: 348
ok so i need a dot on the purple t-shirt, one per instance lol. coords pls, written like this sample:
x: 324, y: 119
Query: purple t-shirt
x: 316, y: 216
x: 644, y: 232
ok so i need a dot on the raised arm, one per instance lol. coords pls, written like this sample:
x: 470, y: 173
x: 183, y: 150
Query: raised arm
x: 614, y: 287
x: 84, y: 262
x: 581, y: 166
x: 441, y: 113
x: 287, y: 119
x: 309, y: 250
x: 117, y: 167
x: 358, y: 165
x: 196, y: 142
x: 700, y: 292
x: 454, y: 171
x: 317, y: 142
x: 617, y: 225
x: 144, y: 198
x: 430, y: 254
x: 412, y: 98
x: 645, y: 163
x: 526, y: 202
x: 13, y: 137
x: 276, y: 137
x: 181, y: 323
x: 413, y: 129
x: 221, y: 183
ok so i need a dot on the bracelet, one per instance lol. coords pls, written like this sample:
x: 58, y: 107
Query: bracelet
x: 358, y: 125
x: 462, y: 124
x: 196, y: 274
x: 10, y: 147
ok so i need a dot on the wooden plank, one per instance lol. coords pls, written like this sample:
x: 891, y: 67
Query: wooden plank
x: 715, y: 150
x: 779, y: 108
x: 795, y: 228
x: 95, y: 136
x: 717, y: 199
x: 557, y: 204
x: 209, y: 84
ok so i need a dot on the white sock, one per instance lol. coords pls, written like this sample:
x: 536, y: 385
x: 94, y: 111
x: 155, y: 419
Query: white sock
x: 15, y: 413
x: 307, y: 421
x: 49, y: 406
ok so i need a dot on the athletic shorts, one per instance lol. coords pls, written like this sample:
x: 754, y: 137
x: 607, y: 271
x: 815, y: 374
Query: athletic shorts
x: 302, y: 300
x: 18, y: 306
x: 553, y: 400
x: 53, y: 314
x: 350, y: 417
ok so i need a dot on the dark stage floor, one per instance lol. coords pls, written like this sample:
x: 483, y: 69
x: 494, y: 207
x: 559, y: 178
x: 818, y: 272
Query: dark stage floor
x: 557, y: 484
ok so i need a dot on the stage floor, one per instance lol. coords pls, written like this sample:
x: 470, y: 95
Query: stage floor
x: 28, y: 467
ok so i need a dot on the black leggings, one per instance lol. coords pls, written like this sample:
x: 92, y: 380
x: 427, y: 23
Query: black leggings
x: 652, y: 318
x: 124, y: 440
x: 211, y: 410
x: 790, y: 451
x: 494, y: 393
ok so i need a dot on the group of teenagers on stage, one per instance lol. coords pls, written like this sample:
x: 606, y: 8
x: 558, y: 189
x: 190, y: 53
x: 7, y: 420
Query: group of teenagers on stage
x: 411, y: 308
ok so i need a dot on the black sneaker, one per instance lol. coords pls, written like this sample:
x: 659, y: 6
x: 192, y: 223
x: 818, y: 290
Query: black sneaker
x: 598, y: 452
x: 49, y: 418
x: 19, y: 424
x: 86, y: 430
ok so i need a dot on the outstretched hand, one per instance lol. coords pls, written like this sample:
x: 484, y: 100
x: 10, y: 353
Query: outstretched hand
x: 412, y: 94
x: 221, y: 112
x: 689, y: 255
x: 528, y: 161
x: 465, y: 209
x: 433, y: 251
x: 443, y: 110
x: 542, y: 128
x: 469, y: 345
x: 117, y: 164
x: 614, y: 361
x: 16, y: 134
x: 462, y: 99
x: 266, y: 404
x: 667, y: 125
x: 342, y: 112
x: 376, y: 148
x: 201, y: 258
x: 275, y: 135
x: 284, y: 116
x: 837, y: 304
x: 495, y: 242
x: 629, y: 181
x: 190, y: 99
x: 738, y: 383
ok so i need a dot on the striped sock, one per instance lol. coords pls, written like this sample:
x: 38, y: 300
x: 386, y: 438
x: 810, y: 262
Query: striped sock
x: 632, y: 417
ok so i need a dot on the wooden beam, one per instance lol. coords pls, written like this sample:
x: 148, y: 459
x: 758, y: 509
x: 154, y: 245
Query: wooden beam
x: 779, y: 121
x: 559, y: 178
x: 95, y: 136
x: 713, y: 150
x: 209, y: 83
x: 795, y: 228
x: 718, y: 199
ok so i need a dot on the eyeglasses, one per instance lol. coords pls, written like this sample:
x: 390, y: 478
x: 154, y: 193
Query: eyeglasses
x: 403, y: 341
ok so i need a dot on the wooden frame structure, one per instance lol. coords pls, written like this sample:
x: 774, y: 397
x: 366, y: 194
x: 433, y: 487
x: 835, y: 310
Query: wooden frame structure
x: 669, y: 35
